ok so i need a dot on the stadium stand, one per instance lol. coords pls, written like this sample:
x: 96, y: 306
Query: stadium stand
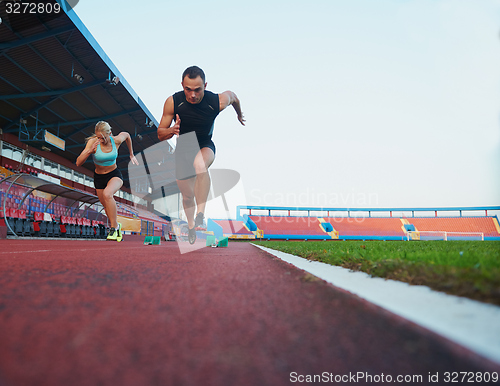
x: 40, y: 209
x: 290, y: 227
x: 369, y: 227
x: 486, y: 225
x: 75, y: 77
x: 235, y: 229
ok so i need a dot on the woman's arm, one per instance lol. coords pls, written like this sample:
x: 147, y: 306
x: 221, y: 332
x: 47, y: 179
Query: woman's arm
x: 90, y: 148
x: 125, y: 137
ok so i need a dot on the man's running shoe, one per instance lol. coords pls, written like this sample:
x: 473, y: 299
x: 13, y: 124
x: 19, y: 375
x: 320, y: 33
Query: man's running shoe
x: 199, y: 221
x: 119, y: 237
x: 112, y: 235
x: 192, y: 236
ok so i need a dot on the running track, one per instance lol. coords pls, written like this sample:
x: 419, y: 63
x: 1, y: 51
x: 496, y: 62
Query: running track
x: 107, y: 313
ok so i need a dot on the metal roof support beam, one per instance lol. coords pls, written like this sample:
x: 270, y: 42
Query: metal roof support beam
x: 4, y: 47
x: 4, y: 117
x: 64, y: 76
x: 83, y: 121
x: 25, y: 71
x: 13, y: 123
x: 76, y: 59
x: 111, y: 71
x: 23, y: 114
x: 90, y: 120
x: 10, y: 83
x: 69, y: 80
x: 8, y: 129
x: 147, y: 132
x: 102, y: 118
x: 53, y: 92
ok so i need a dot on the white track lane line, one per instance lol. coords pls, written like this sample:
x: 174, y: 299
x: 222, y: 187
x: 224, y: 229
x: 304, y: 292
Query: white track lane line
x: 12, y: 252
x: 472, y: 324
x: 62, y: 250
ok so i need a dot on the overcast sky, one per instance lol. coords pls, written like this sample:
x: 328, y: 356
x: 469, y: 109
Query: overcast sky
x: 348, y: 103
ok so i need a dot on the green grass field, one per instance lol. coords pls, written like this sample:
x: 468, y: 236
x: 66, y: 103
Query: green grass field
x: 463, y: 268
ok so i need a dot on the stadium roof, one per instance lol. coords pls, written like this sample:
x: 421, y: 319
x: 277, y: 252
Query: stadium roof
x: 54, y: 76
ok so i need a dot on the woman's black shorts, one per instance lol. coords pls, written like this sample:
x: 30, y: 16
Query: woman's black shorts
x: 101, y: 180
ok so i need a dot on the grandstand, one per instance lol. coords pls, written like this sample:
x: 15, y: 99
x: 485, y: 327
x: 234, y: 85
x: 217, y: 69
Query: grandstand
x: 56, y: 82
x: 289, y: 227
x: 372, y: 224
x: 31, y: 206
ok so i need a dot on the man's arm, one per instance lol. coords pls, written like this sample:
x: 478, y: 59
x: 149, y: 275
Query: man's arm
x: 228, y: 98
x: 165, y: 131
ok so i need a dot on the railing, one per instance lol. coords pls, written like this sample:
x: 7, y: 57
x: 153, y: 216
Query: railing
x: 29, y: 194
x: 326, y: 211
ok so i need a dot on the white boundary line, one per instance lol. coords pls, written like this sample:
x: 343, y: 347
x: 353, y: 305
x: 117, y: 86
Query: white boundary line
x: 61, y: 250
x: 470, y: 323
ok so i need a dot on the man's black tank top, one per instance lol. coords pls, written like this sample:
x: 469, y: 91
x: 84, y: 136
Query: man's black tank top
x: 199, y: 117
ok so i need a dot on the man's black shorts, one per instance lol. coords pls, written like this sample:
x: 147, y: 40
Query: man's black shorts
x: 101, y: 180
x: 184, y: 159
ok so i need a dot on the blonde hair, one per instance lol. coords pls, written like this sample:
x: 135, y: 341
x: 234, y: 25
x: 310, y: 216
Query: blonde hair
x: 101, y: 126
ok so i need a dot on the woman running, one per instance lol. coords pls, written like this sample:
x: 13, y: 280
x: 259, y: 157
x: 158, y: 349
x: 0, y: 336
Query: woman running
x: 107, y: 177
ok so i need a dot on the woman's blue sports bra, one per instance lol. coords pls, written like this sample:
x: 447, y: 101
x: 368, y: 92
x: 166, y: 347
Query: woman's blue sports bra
x: 106, y: 159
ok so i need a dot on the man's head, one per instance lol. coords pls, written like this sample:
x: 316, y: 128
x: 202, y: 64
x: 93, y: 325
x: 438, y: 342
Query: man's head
x: 193, y: 83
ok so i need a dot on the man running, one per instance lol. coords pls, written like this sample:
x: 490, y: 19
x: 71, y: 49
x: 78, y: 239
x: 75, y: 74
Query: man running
x: 194, y: 110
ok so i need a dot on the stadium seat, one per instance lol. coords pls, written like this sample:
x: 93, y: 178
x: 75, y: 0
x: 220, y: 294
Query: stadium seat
x: 73, y: 227
x: 93, y: 225
x: 11, y: 215
x: 56, y: 231
x: 37, y: 221
x: 327, y: 227
x: 99, y: 229
x: 79, y: 227
x: 63, y: 226
x: 102, y: 231
x: 409, y: 227
x: 50, y: 228
x: 249, y: 223
x: 90, y: 229
x: 28, y: 229
x: 19, y: 222
x: 70, y: 227
x: 85, y: 228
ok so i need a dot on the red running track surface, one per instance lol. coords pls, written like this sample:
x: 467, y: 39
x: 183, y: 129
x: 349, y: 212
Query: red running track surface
x: 107, y: 313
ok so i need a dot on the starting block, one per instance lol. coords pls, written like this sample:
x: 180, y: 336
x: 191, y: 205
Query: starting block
x: 152, y: 240
x: 213, y: 242
x: 223, y: 242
